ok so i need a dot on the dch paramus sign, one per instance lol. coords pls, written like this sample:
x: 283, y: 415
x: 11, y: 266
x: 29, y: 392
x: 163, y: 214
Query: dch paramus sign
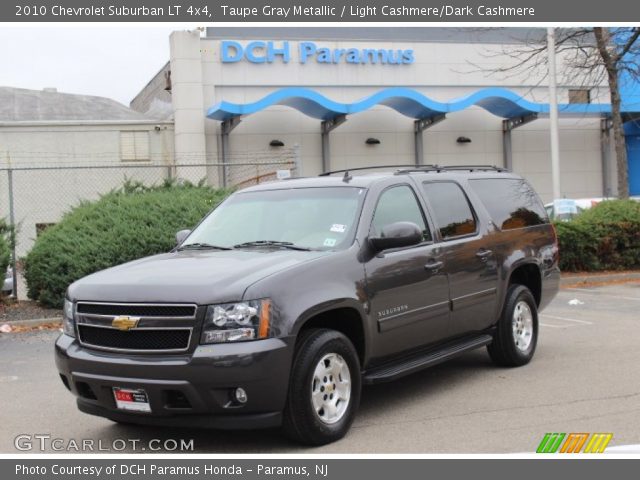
x: 269, y: 52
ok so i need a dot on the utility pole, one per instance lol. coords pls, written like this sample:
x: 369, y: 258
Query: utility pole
x: 553, y: 113
x: 12, y: 233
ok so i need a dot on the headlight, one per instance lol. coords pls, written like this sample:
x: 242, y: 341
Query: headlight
x: 234, y: 322
x: 68, y: 323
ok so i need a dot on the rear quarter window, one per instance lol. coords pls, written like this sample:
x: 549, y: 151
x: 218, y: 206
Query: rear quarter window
x: 511, y: 202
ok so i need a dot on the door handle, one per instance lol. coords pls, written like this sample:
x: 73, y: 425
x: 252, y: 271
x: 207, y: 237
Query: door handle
x: 433, y: 266
x: 483, y: 254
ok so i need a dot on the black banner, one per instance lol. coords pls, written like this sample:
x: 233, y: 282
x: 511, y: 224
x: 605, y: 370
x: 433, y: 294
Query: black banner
x: 318, y: 468
x: 203, y: 11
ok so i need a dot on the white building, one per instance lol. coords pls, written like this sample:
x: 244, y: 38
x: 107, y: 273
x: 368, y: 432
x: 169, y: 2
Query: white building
x: 52, y: 141
x: 243, y: 65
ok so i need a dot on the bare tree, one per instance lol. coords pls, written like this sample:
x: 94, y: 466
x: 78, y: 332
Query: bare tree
x: 590, y: 57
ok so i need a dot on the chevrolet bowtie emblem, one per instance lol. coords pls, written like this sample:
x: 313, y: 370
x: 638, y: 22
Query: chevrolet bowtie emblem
x: 125, y: 323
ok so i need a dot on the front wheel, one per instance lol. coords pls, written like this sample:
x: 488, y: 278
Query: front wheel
x: 516, y: 336
x: 324, y: 391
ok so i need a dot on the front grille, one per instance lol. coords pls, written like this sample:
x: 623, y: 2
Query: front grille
x: 140, y: 339
x: 137, y: 310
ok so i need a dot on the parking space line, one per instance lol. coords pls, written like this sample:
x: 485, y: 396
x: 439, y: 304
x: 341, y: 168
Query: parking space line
x: 592, y: 293
x: 555, y: 326
x: 584, y: 322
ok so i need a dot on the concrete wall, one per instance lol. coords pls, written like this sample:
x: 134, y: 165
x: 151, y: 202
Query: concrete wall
x: 154, y: 100
x: 54, y: 168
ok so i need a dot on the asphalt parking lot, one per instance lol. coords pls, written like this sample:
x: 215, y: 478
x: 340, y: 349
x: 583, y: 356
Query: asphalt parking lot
x: 584, y: 378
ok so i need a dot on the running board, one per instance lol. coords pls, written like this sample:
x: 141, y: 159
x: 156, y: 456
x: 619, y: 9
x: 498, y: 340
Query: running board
x: 418, y: 361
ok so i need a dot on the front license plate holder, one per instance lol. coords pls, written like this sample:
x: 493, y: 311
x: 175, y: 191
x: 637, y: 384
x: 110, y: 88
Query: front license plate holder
x: 132, y: 399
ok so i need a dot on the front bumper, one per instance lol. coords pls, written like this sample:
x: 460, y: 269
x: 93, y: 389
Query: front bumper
x: 193, y: 389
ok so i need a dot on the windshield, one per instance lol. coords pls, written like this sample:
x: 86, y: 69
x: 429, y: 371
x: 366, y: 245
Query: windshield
x: 310, y: 218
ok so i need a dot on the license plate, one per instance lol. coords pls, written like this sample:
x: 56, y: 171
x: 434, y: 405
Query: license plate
x: 131, y: 399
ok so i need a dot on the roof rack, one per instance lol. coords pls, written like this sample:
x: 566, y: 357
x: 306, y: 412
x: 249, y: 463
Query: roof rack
x: 405, y: 169
x: 446, y: 168
x: 347, y: 170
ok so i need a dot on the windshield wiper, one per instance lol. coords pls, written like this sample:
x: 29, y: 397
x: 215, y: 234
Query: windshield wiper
x: 271, y: 243
x: 202, y: 246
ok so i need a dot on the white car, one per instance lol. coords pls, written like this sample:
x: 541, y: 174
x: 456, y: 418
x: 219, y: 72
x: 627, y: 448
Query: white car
x: 7, y: 285
x: 565, y: 209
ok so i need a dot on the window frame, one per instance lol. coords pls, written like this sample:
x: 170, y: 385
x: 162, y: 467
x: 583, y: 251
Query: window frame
x: 136, y: 159
x: 476, y: 219
x: 421, y: 208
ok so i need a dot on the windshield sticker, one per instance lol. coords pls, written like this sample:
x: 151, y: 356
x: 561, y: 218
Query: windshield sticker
x: 338, y: 228
x: 329, y: 242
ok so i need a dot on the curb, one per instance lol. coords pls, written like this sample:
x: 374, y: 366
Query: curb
x: 34, y: 322
x: 599, y: 278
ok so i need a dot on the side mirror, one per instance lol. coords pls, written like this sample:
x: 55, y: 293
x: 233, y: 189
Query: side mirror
x: 182, y: 235
x: 397, y: 235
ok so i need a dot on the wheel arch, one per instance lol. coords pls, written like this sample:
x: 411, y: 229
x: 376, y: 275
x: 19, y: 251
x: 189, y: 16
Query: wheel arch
x: 345, y: 316
x: 529, y: 275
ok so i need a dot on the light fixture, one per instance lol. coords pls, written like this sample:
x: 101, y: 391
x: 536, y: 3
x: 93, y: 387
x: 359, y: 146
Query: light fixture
x: 372, y: 141
x: 276, y: 143
x: 463, y: 140
x: 167, y: 81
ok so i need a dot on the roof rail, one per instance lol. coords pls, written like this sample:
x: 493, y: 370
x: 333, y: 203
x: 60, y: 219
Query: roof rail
x: 346, y: 170
x: 403, y: 169
x: 445, y: 168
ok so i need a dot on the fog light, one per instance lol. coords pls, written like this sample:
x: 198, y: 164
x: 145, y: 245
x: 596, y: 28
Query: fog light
x: 241, y: 395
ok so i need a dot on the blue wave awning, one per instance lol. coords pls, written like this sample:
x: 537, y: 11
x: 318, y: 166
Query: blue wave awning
x: 409, y: 102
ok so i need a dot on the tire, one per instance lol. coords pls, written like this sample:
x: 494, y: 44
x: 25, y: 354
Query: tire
x: 306, y: 420
x: 511, y: 346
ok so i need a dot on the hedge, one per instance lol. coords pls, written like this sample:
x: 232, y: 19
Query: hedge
x: 605, y: 237
x: 5, y: 247
x: 132, y: 222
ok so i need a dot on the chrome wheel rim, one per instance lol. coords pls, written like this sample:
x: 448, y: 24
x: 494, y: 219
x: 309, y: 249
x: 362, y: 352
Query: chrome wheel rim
x: 331, y: 388
x: 522, y: 324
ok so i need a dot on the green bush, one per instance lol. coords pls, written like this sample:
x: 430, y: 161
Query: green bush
x: 5, y: 247
x: 612, y: 211
x: 605, y: 237
x: 123, y: 225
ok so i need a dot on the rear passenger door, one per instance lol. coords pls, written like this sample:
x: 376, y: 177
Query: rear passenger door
x: 469, y: 260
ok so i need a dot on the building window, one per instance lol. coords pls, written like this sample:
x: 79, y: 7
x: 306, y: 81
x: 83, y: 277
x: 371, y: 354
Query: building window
x: 580, y: 95
x: 134, y: 146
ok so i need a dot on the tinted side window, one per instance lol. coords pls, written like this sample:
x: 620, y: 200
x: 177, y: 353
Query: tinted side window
x: 511, y: 202
x: 398, y: 204
x: 451, y: 209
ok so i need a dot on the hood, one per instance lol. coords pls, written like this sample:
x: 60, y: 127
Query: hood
x: 190, y: 276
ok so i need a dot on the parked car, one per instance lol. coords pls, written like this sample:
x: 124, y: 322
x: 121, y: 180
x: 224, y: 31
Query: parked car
x: 565, y: 209
x: 7, y: 285
x: 289, y: 296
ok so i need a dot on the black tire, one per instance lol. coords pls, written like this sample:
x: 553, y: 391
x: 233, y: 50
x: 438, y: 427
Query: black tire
x: 301, y: 422
x: 503, y: 350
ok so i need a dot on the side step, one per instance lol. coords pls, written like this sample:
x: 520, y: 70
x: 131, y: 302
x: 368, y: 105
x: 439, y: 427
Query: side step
x: 410, y: 364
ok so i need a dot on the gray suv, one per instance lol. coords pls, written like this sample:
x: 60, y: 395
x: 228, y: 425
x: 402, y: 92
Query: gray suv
x: 289, y: 296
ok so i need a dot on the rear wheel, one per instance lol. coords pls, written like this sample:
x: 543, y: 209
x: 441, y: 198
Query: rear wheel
x: 324, y: 391
x: 516, y: 336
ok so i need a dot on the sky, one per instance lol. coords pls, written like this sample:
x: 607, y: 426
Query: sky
x: 114, y: 62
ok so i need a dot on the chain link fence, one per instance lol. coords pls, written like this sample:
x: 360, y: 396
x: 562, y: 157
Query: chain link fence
x: 35, y: 197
